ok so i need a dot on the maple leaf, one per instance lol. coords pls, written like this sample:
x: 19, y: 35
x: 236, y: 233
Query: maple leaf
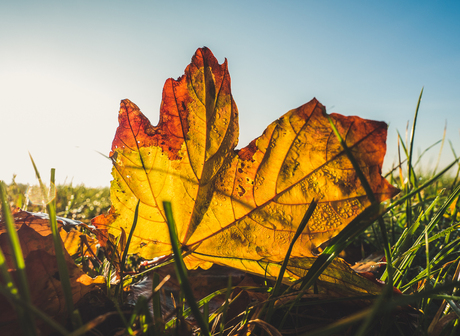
x: 237, y: 207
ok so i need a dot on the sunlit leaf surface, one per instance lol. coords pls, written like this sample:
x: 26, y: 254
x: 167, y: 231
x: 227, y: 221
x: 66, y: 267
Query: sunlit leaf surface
x: 237, y: 207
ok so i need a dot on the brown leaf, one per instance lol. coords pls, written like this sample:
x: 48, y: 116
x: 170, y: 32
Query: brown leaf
x: 42, y: 271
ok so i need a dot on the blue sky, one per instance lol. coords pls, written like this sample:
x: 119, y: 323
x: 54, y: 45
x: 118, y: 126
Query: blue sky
x: 65, y: 66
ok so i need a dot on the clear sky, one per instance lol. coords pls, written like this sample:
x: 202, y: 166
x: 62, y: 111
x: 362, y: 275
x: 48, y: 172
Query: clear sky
x: 65, y: 66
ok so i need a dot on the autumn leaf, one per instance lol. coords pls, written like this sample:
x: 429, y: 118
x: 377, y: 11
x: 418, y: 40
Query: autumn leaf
x: 239, y: 208
x: 39, y: 223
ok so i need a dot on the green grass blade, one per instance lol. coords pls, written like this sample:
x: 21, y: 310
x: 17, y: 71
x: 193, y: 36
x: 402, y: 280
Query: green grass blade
x: 411, y: 143
x: 159, y: 323
x: 59, y: 251
x: 427, y: 256
x: 439, y: 214
x: 356, y: 167
x: 447, y: 250
x: 206, y: 313
x: 434, y: 237
x: 142, y: 314
x: 33, y: 310
x: 385, y: 308
x: 421, y: 187
x: 425, y: 151
x: 181, y: 270
x: 277, y: 287
x: 363, y: 330
x: 28, y: 322
x: 60, y: 258
x: 7, y: 279
x: 337, y: 244
x: 408, y: 256
x: 150, y: 269
x: 339, y: 325
x: 454, y: 307
x: 187, y: 312
x: 400, y: 249
x: 83, y: 330
x: 131, y: 232
x: 15, y: 245
x: 9, y: 290
x: 223, y: 318
x: 372, y: 199
x: 411, y: 179
x: 119, y: 289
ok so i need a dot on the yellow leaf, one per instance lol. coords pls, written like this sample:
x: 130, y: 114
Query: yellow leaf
x: 237, y: 207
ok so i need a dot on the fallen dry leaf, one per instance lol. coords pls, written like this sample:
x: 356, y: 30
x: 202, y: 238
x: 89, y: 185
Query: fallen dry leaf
x: 239, y: 208
x: 42, y: 271
x: 39, y: 223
